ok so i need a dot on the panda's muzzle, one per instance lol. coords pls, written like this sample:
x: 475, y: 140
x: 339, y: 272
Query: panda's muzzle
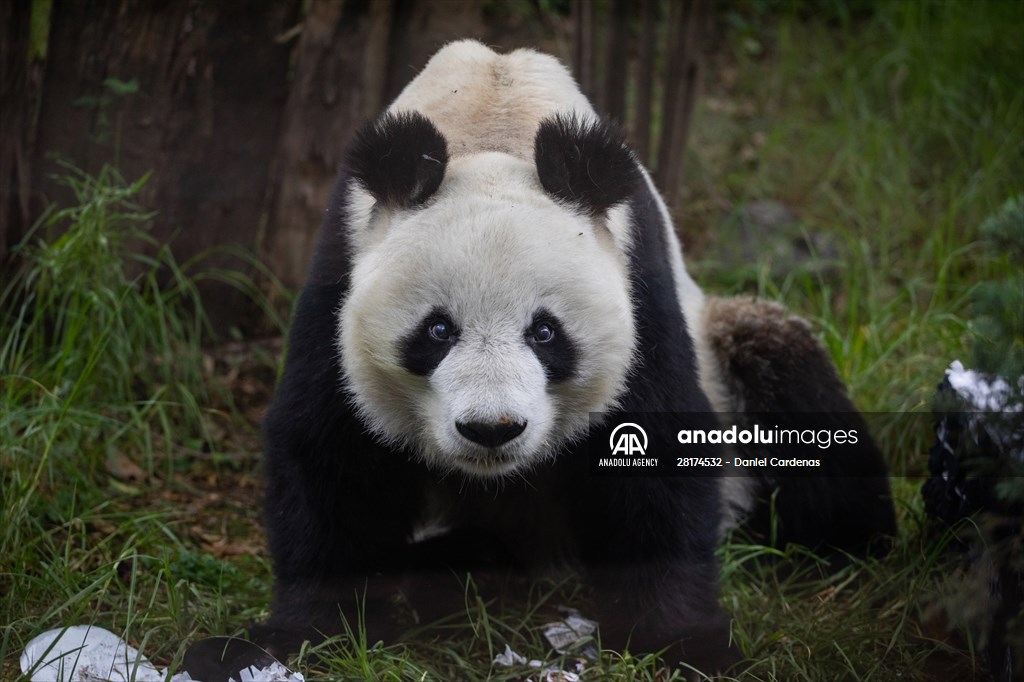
x: 491, y: 434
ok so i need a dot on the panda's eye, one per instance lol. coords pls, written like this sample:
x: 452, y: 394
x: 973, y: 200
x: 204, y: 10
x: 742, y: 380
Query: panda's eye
x: 553, y: 345
x: 428, y: 342
x: 440, y: 330
x: 542, y: 332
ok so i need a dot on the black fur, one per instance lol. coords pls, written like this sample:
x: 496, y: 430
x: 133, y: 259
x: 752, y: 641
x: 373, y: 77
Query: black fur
x: 785, y: 379
x: 649, y: 542
x: 559, y: 356
x: 400, y: 159
x: 585, y: 163
x: 341, y: 507
x: 421, y: 353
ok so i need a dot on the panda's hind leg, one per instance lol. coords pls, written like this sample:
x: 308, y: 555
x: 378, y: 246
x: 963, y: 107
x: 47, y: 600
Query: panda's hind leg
x: 777, y: 375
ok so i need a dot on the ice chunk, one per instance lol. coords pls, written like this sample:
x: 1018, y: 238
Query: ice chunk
x: 986, y: 393
x: 85, y: 653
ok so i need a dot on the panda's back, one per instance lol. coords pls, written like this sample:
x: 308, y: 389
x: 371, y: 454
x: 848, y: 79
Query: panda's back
x: 484, y: 101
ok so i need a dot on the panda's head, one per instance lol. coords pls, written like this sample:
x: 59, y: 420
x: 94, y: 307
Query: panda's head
x: 489, y: 306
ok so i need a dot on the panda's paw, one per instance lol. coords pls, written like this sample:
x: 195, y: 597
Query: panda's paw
x: 315, y: 611
x: 705, y: 648
x: 279, y: 642
x: 702, y: 656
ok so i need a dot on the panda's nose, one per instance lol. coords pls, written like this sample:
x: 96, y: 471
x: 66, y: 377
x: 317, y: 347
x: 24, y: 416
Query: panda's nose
x: 491, y: 434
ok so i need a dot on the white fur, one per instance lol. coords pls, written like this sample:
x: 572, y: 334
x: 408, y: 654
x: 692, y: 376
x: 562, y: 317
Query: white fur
x: 481, y: 100
x: 484, y: 101
x: 492, y: 248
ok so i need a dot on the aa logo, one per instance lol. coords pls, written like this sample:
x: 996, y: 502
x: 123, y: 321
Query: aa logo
x: 628, y: 439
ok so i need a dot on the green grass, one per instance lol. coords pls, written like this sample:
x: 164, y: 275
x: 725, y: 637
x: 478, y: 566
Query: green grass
x: 101, y: 377
x: 893, y: 131
x: 862, y: 622
x: 895, y: 136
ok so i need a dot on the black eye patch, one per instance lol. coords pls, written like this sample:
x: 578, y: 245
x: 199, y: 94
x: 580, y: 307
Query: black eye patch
x: 553, y: 346
x: 429, y: 342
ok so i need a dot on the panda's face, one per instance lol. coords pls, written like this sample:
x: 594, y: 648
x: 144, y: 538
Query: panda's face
x: 483, y: 328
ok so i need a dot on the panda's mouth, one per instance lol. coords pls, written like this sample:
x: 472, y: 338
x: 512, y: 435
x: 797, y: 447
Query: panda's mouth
x: 491, y: 457
x: 488, y: 462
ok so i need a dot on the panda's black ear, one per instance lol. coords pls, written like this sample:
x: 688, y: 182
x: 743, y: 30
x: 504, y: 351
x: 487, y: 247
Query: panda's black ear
x: 585, y: 163
x: 400, y: 159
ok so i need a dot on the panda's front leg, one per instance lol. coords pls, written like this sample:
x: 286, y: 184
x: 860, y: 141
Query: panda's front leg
x: 338, y: 522
x: 648, y: 550
x: 340, y: 531
x: 382, y: 589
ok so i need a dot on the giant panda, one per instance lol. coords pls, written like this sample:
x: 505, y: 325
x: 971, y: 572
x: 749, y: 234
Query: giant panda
x: 494, y: 269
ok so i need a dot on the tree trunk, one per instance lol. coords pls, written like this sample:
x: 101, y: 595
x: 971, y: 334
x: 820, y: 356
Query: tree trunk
x: 645, y: 81
x: 242, y: 108
x: 352, y: 59
x: 583, y: 54
x: 339, y: 45
x: 24, y: 40
x: 210, y: 82
x: 686, y: 20
x: 617, y: 53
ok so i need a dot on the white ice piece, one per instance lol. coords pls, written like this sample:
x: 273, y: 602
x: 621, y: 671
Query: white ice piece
x: 275, y: 672
x: 509, y: 658
x: 565, y: 635
x: 985, y: 393
x: 85, y: 653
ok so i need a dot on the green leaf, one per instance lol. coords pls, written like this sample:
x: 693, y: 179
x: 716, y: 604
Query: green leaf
x: 122, y: 88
